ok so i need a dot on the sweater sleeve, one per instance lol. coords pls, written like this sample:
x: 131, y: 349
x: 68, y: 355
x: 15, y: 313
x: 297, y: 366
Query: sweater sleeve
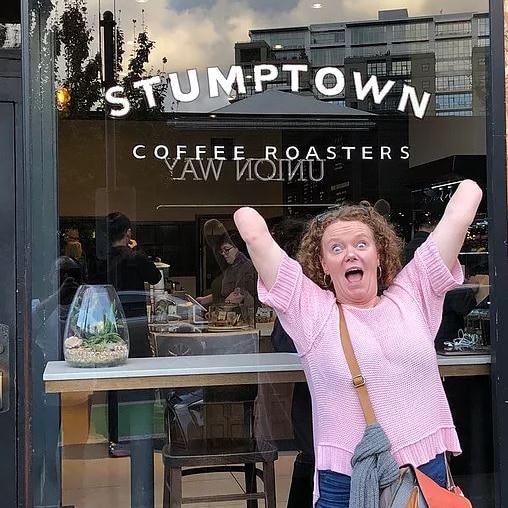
x: 427, y: 280
x: 301, y: 305
x: 147, y: 269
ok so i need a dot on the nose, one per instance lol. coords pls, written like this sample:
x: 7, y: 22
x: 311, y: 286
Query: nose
x: 351, y: 255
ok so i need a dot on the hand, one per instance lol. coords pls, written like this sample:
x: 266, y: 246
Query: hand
x: 204, y: 300
x: 132, y: 243
x: 213, y: 227
x: 482, y: 289
x: 235, y: 296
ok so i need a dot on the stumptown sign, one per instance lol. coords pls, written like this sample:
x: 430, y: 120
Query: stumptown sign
x: 262, y: 74
x: 199, y: 163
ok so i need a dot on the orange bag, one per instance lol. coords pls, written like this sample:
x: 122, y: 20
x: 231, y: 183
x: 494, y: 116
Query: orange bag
x: 438, y: 497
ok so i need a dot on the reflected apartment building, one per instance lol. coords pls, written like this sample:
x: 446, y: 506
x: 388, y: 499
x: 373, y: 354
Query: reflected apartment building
x: 445, y: 55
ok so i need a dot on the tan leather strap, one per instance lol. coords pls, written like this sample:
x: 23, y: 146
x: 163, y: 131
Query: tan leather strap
x: 356, y: 374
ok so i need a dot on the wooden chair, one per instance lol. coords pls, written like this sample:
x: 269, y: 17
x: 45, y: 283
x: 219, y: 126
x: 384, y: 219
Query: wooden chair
x: 210, y: 429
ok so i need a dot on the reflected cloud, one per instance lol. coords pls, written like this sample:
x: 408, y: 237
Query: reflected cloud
x: 202, y: 33
x: 257, y: 5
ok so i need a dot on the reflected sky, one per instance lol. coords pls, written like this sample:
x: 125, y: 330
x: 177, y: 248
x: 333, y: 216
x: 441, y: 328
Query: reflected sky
x: 202, y: 33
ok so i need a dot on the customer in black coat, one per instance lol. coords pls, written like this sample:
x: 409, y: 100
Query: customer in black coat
x: 127, y: 270
x: 457, y: 304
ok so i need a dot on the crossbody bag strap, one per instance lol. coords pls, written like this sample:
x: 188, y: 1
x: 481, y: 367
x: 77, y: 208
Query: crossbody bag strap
x: 356, y: 374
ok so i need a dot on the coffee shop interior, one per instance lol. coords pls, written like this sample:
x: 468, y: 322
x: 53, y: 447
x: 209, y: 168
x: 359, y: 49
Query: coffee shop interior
x: 113, y: 443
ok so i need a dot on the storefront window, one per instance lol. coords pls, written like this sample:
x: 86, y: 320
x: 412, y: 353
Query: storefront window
x: 156, y: 121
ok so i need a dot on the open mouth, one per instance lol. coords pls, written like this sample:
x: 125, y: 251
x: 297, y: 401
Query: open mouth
x: 354, y: 274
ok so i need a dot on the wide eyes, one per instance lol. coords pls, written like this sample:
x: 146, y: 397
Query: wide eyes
x: 338, y: 249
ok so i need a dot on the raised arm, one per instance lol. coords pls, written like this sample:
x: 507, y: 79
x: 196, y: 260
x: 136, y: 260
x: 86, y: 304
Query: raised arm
x: 459, y: 214
x: 264, y: 252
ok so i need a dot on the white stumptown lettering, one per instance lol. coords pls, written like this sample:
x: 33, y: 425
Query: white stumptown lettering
x: 190, y: 89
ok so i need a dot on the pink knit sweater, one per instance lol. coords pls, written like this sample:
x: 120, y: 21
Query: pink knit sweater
x: 394, y: 345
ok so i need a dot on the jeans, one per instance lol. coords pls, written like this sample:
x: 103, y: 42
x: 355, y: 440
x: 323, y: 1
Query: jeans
x: 334, y: 487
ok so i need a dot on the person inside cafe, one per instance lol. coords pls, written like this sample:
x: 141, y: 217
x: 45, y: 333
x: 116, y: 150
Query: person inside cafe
x: 458, y: 302
x: 344, y: 255
x: 127, y: 270
x: 237, y: 283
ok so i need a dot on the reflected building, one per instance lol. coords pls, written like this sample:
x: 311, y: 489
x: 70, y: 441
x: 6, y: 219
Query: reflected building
x: 445, y: 55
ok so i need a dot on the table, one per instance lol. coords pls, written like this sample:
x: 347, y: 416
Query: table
x: 211, y: 370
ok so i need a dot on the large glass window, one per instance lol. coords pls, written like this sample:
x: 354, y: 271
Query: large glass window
x: 453, y: 28
x: 376, y: 68
x: 483, y: 26
x: 454, y: 101
x: 367, y: 34
x: 401, y: 67
x: 446, y: 66
x: 154, y: 125
x: 280, y: 40
x: 327, y: 56
x: 450, y: 49
x: 448, y: 83
x: 410, y: 47
x: 328, y: 37
x: 365, y: 51
x: 409, y: 32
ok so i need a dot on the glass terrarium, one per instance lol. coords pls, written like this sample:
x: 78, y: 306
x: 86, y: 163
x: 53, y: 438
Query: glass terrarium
x: 96, y: 333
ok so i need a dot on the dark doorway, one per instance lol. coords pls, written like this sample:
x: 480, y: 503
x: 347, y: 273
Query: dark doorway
x: 10, y: 148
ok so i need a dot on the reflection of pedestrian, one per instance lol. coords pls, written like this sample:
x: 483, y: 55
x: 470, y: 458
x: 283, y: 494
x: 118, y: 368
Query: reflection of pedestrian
x: 48, y: 323
x: 288, y: 234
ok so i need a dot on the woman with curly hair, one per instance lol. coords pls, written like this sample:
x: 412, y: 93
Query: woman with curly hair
x: 345, y: 256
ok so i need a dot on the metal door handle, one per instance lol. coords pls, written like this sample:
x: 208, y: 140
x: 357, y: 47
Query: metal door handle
x: 1, y: 390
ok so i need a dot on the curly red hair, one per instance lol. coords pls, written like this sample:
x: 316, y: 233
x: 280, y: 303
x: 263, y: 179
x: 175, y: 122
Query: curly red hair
x: 388, y: 244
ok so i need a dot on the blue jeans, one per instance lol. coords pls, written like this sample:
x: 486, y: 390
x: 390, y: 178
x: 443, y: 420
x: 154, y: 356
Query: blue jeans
x: 334, y: 487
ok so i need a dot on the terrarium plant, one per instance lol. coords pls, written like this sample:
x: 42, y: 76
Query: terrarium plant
x: 96, y: 333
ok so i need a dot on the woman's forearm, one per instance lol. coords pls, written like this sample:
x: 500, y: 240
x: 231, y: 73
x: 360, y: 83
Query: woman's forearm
x: 459, y: 214
x: 264, y: 252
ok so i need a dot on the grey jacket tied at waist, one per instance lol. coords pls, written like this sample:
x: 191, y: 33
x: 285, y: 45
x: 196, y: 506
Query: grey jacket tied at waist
x: 374, y: 468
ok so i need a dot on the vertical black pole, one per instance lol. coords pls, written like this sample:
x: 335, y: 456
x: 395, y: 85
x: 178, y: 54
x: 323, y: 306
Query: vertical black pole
x: 108, y: 25
x: 498, y: 258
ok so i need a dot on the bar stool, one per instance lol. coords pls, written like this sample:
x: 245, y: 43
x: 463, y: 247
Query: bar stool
x: 221, y: 442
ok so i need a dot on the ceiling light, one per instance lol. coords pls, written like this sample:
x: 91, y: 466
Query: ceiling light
x: 141, y: 1
x: 314, y: 6
x: 278, y: 46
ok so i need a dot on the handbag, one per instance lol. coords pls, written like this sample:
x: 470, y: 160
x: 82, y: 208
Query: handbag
x: 412, y: 488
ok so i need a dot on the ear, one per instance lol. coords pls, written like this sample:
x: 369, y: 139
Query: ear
x: 128, y: 233
x: 323, y: 265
